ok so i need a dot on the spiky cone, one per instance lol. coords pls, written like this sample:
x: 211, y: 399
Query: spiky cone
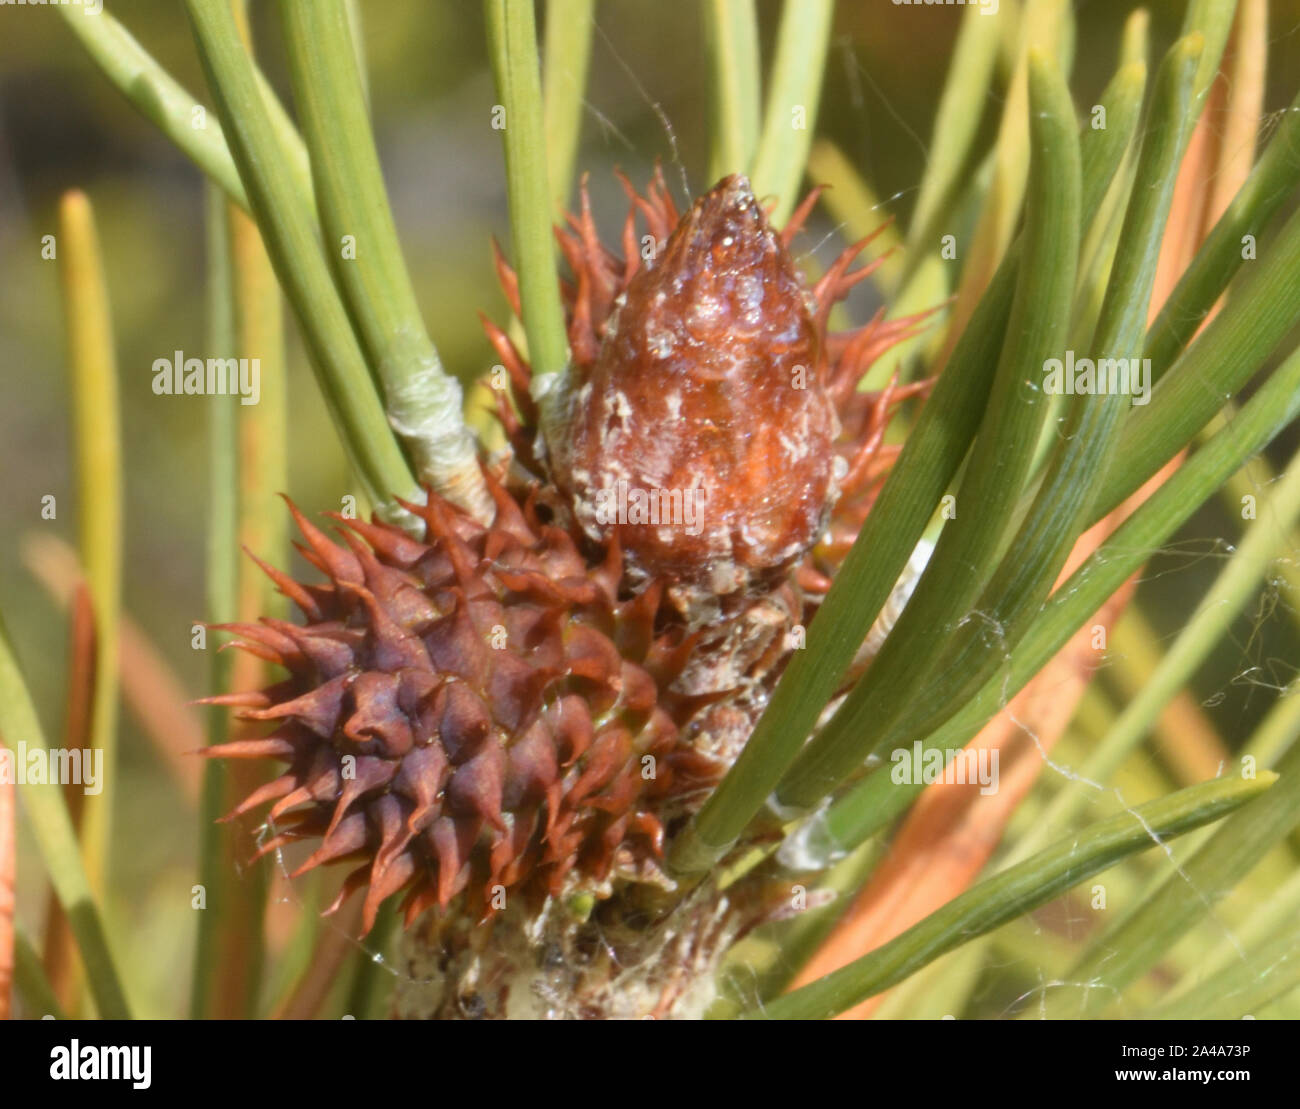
x: 475, y: 715
x: 504, y: 723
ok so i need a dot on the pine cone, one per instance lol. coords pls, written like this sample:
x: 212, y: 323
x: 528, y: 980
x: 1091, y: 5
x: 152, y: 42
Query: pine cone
x: 531, y: 705
x: 477, y: 713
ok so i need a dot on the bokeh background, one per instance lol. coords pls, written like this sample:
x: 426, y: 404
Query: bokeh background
x: 63, y: 126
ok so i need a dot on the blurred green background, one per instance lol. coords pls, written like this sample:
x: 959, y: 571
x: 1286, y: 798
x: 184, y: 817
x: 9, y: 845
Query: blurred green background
x: 63, y: 126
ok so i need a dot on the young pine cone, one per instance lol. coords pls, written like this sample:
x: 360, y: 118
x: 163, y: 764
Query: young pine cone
x: 533, y: 704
